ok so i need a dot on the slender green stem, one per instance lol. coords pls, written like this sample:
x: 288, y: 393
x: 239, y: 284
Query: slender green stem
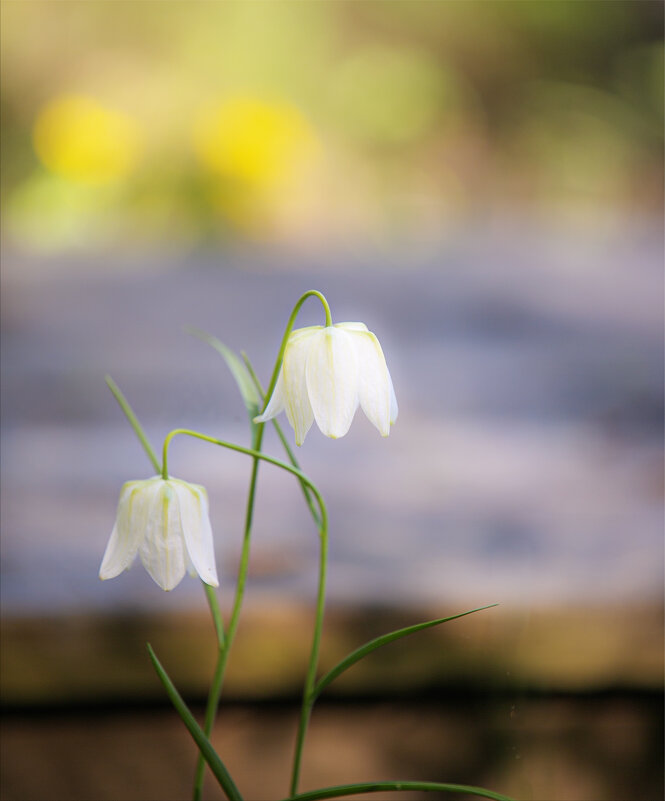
x: 308, y: 693
x: 215, y: 687
x: 211, y: 711
x: 225, y: 645
x: 287, y: 333
x: 165, y: 465
x: 249, y: 519
x: 133, y: 421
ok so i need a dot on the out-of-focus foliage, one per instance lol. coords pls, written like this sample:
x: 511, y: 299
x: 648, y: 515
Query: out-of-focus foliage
x: 83, y: 142
x: 183, y: 123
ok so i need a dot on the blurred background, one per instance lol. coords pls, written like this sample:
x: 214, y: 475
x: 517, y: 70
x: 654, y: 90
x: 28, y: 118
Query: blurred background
x: 481, y: 183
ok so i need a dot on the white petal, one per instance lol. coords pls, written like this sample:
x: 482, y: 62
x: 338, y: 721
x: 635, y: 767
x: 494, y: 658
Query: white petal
x: 163, y: 549
x: 304, y: 332
x: 393, y: 401
x: 332, y: 380
x: 196, y: 529
x: 351, y: 326
x: 296, y: 399
x: 127, y: 532
x: 373, y: 380
x: 276, y: 402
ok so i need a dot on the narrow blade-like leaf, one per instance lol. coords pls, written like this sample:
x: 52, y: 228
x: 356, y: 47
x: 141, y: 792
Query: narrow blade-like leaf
x: 133, y: 421
x: 377, y: 787
x: 209, y: 754
x: 384, y: 639
x: 238, y: 370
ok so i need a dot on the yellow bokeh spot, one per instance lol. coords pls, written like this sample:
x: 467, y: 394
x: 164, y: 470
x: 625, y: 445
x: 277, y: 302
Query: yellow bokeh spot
x: 255, y: 142
x: 81, y: 140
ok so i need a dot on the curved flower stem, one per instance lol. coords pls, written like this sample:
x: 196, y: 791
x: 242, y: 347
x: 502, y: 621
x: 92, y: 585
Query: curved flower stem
x: 308, y: 693
x: 224, y: 643
x: 287, y: 332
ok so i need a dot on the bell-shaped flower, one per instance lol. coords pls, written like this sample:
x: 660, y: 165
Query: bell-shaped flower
x: 165, y: 522
x: 325, y: 374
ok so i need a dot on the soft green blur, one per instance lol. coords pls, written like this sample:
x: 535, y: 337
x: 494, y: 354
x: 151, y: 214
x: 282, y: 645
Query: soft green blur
x: 182, y: 124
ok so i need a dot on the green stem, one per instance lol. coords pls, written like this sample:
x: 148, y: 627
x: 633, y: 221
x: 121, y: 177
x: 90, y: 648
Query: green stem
x: 165, y: 465
x: 215, y: 687
x: 211, y: 711
x: 287, y: 333
x: 224, y: 646
x: 308, y: 693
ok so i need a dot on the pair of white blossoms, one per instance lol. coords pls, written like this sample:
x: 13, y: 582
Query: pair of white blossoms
x: 326, y: 373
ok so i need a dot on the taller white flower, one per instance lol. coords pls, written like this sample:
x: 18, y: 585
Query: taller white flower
x: 325, y: 374
x: 165, y: 522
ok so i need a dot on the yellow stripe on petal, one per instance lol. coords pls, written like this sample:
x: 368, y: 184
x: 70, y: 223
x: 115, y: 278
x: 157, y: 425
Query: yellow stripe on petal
x: 163, y: 549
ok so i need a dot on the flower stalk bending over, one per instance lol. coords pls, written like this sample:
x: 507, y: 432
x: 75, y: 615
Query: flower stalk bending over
x: 165, y: 522
x: 326, y: 373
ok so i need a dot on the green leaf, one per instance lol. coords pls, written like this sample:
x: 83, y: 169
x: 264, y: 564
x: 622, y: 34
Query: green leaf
x: 238, y: 370
x: 209, y: 754
x: 384, y: 639
x: 377, y: 787
x: 133, y: 421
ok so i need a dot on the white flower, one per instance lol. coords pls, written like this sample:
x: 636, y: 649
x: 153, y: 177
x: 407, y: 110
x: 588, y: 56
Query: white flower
x: 325, y: 374
x: 166, y: 522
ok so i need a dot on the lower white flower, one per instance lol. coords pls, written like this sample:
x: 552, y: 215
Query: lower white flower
x: 165, y: 522
x: 326, y: 373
